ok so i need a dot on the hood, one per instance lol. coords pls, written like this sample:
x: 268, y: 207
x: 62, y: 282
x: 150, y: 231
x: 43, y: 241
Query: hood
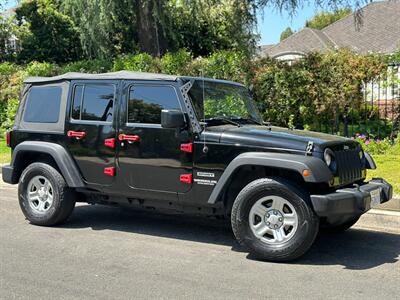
x: 274, y: 137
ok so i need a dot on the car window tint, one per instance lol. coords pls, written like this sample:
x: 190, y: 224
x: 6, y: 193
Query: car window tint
x: 146, y: 102
x: 97, y: 103
x: 43, y: 105
x: 77, y: 102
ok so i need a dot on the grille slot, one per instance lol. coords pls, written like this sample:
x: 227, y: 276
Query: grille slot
x: 348, y: 166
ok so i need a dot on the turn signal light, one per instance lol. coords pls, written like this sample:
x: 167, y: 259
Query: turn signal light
x: 306, y: 173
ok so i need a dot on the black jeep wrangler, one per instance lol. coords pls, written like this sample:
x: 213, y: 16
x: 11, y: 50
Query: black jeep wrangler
x: 188, y: 144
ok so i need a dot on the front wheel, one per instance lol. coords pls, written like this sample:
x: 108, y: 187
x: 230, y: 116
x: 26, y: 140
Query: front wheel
x: 271, y: 217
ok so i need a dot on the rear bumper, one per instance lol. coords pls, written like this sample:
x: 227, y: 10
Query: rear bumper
x: 351, y: 201
x: 7, y: 173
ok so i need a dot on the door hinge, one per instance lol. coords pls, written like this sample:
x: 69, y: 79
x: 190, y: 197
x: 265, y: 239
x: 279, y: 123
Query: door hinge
x: 109, y: 143
x: 187, y: 147
x: 109, y: 171
x: 186, y: 178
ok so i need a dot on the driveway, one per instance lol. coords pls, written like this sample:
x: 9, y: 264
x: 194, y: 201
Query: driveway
x: 112, y: 253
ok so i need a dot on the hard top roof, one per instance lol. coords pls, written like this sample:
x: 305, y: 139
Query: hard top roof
x: 121, y: 75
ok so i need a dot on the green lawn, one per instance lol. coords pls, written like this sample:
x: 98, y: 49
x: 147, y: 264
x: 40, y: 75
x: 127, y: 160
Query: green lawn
x: 388, y: 166
x: 5, y: 155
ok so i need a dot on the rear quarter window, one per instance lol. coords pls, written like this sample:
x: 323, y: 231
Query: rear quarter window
x: 43, y: 105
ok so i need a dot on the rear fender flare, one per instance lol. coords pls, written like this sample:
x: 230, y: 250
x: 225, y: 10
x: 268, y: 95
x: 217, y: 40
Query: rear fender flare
x: 63, y: 159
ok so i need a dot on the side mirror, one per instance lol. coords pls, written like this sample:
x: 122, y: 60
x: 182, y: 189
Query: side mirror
x: 172, y: 118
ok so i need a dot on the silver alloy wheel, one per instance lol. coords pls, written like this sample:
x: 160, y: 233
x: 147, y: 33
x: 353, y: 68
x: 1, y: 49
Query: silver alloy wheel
x: 40, y: 194
x: 273, y: 220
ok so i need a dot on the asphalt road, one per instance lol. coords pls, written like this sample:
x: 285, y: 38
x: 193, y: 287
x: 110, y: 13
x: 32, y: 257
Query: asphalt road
x: 111, y: 253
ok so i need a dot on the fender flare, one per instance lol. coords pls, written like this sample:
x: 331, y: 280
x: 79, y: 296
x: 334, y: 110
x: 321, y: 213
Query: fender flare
x: 319, y: 170
x: 63, y: 159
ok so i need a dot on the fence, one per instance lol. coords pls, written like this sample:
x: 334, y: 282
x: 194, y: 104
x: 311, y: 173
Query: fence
x: 378, y: 115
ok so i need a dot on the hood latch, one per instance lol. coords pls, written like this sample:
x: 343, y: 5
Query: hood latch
x: 310, y: 148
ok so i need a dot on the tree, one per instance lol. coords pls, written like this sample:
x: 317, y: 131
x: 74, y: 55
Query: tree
x: 286, y: 33
x: 7, y: 50
x: 45, y: 34
x: 324, y: 19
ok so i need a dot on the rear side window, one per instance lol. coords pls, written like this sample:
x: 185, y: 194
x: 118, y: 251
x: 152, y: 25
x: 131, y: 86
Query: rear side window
x: 146, y: 102
x: 43, y: 105
x: 92, y: 102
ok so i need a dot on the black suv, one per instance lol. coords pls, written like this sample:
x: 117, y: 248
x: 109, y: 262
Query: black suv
x: 188, y: 144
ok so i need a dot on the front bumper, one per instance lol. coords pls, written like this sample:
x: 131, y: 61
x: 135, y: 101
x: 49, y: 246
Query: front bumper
x: 351, y: 201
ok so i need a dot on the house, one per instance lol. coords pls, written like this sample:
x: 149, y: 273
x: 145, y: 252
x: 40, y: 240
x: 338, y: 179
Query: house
x: 377, y: 31
x: 12, y: 43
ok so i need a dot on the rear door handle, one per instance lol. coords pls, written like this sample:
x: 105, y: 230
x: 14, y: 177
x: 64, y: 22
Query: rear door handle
x: 76, y: 134
x: 132, y: 138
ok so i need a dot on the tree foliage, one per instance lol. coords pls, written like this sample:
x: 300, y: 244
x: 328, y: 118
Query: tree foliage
x: 286, y: 33
x: 45, y: 34
x: 315, y: 89
x: 324, y: 19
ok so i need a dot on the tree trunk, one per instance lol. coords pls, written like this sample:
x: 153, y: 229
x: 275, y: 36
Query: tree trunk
x: 150, y: 33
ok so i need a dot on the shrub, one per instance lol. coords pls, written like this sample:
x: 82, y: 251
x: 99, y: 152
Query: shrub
x: 88, y: 66
x: 177, y: 63
x: 42, y: 69
x: 141, y: 62
x: 378, y: 146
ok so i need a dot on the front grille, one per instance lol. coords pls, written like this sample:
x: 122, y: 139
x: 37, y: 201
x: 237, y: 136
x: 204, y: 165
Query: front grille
x: 348, y: 166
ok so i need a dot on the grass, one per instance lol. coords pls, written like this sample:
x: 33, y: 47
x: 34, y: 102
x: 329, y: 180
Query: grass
x: 5, y: 152
x: 388, y: 166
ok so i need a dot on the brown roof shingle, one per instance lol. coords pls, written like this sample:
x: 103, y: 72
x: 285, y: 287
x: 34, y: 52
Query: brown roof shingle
x: 378, y: 32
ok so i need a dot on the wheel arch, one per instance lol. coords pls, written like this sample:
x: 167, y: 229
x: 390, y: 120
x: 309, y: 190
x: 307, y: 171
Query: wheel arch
x: 258, y: 164
x: 53, y: 154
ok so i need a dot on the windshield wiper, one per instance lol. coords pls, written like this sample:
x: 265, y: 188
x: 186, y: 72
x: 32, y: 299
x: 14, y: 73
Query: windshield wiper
x: 252, y: 120
x: 224, y: 119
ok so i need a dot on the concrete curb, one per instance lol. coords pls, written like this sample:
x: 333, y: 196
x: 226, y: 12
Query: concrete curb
x: 380, y: 220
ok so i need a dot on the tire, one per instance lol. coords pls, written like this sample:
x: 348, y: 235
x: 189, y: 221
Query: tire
x: 296, y: 223
x: 44, y: 197
x: 339, y: 228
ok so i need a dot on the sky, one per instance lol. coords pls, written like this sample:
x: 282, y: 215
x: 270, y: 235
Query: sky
x: 270, y: 22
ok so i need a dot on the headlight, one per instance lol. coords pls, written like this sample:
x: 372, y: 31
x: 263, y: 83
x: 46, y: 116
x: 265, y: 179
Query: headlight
x: 328, y: 156
x: 361, y: 154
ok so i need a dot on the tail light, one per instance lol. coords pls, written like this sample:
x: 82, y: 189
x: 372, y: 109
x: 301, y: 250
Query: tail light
x: 8, y: 138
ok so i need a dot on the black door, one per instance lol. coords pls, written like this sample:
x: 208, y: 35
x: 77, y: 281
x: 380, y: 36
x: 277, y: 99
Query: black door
x: 149, y: 156
x: 89, y: 125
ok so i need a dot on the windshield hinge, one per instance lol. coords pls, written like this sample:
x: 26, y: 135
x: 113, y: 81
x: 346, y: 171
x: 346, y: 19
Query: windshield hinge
x: 189, y: 107
x: 310, y: 148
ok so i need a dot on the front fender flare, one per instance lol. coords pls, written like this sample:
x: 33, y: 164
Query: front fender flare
x: 63, y: 159
x: 319, y: 170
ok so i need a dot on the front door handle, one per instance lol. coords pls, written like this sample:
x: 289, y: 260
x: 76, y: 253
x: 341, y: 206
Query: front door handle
x: 76, y: 134
x: 132, y: 138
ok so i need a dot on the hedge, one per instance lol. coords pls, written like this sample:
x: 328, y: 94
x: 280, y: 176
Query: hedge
x: 303, y: 94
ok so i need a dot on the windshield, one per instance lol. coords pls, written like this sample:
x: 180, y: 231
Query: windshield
x: 223, y: 102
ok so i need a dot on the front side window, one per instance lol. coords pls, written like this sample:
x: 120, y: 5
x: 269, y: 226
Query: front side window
x: 93, y: 102
x: 146, y: 102
x: 43, y: 105
x: 218, y: 101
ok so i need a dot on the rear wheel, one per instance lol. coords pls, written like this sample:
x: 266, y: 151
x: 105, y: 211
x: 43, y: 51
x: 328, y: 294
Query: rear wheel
x: 44, y: 197
x: 272, y: 219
